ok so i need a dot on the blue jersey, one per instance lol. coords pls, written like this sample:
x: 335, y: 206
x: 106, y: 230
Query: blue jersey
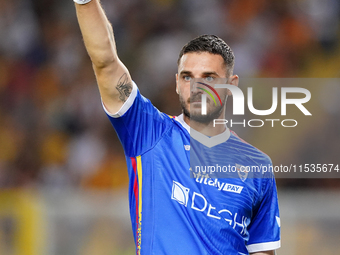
x: 177, y: 211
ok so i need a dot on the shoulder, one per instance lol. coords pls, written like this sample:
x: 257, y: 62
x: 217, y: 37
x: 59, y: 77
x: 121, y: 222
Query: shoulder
x: 248, y: 150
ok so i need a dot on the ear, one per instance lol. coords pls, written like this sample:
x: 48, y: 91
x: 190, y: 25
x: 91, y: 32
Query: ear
x: 177, y: 89
x: 233, y: 80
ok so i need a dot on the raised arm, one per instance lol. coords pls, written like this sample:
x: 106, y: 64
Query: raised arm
x: 112, y: 76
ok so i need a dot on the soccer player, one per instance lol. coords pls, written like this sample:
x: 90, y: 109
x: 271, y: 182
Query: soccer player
x: 173, y: 210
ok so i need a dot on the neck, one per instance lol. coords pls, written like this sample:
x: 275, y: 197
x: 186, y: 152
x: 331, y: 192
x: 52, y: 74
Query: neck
x: 207, y: 129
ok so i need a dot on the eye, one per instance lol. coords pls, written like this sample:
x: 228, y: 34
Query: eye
x: 187, y: 78
x: 209, y: 79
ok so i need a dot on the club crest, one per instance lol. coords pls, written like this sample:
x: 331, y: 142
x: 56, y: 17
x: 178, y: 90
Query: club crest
x: 242, y: 172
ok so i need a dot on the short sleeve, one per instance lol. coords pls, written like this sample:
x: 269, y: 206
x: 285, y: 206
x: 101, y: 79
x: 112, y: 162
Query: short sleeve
x: 139, y: 125
x: 264, y: 230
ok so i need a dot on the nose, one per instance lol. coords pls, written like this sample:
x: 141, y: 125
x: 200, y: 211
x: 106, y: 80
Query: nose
x: 196, y: 88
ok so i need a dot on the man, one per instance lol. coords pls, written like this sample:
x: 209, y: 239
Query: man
x: 172, y: 213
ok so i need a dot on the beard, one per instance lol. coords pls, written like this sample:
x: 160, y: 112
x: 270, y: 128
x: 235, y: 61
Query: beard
x: 198, y: 117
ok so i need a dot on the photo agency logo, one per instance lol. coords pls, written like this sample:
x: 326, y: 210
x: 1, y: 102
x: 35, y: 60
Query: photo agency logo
x: 214, y: 95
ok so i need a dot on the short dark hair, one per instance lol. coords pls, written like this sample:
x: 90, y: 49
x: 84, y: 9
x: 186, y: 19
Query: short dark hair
x: 212, y: 44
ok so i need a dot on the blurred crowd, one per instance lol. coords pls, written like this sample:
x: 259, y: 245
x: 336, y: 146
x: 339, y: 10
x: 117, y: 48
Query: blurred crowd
x: 53, y: 131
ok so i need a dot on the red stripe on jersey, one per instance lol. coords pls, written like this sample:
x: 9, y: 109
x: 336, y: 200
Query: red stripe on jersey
x: 135, y: 192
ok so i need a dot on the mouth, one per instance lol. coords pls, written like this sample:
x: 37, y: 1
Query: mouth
x: 195, y: 101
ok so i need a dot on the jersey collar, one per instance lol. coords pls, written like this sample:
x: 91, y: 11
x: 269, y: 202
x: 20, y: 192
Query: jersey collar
x: 203, y: 139
x: 180, y: 119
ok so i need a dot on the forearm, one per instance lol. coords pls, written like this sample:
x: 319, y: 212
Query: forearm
x: 97, y: 34
x: 112, y: 76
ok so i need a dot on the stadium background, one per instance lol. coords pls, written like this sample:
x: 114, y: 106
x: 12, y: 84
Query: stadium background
x: 63, y: 178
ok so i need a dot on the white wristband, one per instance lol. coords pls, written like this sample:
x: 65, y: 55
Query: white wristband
x: 82, y: 1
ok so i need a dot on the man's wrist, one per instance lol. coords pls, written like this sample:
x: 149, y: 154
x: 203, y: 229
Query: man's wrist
x: 82, y: 1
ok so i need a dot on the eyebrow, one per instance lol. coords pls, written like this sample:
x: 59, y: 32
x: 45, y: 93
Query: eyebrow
x: 210, y: 73
x: 204, y: 74
x: 185, y: 72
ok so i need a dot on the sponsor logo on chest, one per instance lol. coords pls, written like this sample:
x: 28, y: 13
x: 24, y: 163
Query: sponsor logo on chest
x: 220, y: 185
x: 199, y: 203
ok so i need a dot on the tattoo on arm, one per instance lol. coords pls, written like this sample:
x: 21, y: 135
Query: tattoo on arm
x: 124, y: 87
